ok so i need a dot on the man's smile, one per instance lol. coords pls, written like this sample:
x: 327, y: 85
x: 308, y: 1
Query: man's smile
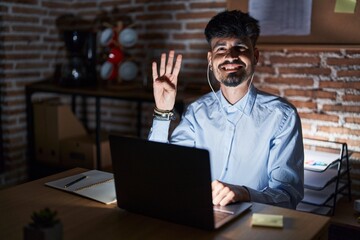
x: 230, y: 67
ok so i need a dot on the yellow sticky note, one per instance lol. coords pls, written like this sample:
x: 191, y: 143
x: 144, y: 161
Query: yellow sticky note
x: 267, y: 220
x: 345, y: 6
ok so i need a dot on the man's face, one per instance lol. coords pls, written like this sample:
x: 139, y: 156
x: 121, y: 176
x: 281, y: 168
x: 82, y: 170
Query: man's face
x: 232, y: 60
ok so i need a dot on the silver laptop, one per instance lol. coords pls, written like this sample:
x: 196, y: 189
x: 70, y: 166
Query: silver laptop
x: 168, y: 182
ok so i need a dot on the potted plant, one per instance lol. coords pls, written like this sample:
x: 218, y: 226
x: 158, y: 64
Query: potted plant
x: 44, y: 226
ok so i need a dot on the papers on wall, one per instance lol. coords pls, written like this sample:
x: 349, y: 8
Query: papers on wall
x: 282, y: 17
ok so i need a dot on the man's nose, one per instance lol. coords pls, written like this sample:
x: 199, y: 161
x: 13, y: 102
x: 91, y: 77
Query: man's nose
x: 232, y: 53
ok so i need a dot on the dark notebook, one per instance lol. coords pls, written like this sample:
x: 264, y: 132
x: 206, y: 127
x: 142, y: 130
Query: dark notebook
x: 168, y: 182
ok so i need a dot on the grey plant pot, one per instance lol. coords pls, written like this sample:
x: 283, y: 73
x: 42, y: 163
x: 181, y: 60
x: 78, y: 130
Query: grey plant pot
x: 53, y: 233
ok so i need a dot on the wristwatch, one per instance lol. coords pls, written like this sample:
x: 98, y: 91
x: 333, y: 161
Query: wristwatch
x: 164, y: 115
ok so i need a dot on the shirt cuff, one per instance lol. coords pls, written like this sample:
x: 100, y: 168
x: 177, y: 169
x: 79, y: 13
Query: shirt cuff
x: 159, y: 131
x: 255, y: 196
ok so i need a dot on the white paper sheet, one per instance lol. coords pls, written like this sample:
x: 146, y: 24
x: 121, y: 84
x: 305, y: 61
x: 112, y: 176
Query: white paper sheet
x: 282, y: 17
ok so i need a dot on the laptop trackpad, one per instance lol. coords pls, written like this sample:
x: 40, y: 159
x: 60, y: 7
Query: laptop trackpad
x: 225, y: 209
x: 223, y: 214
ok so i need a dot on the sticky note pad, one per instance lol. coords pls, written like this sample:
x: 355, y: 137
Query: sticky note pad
x: 267, y: 220
x: 345, y: 6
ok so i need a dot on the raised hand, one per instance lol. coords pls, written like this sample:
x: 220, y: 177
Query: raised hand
x: 165, y: 83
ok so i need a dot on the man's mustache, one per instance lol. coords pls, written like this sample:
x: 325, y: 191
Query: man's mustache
x: 232, y: 62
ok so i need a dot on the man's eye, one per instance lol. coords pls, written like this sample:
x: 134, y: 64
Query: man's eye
x: 241, y: 48
x: 220, y: 49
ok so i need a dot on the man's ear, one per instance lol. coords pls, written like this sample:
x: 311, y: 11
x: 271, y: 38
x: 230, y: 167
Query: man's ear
x: 209, y: 57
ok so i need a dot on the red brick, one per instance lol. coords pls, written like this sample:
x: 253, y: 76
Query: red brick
x: 162, y: 26
x: 166, y: 7
x: 3, y: 9
x: 197, y: 65
x: 189, y: 36
x: 14, y: 148
x: 318, y: 49
x: 115, y: 3
x: 265, y: 69
x: 4, y: 85
x: 56, y: 5
x: 31, y: 29
x: 339, y: 130
x: 196, y: 25
x: 13, y: 112
x: 147, y: 17
x: 290, y: 81
x: 199, y: 46
x: 14, y: 103
x: 21, y: 56
x: 339, y: 84
x: 195, y: 15
x: 195, y: 55
x: 270, y: 90
x: 304, y: 104
x: 343, y: 61
x: 154, y: 36
x: 13, y: 93
x: 351, y: 97
x: 27, y: 47
x: 52, y: 39
x: 314, y: 94
x: 348, y: 73
x: 4, y: 29
x: 355, y: 120
x: 341, y: 108
x: 355, y: 155
x: 23, y: 75
x: 14, y: 140
x: 148, y: 1
x: 350, y: 142
x: 297, y: 59
x: 6, y: 66
x: 320, y: 117
x: 306, y: 126
x: 82, y: 5
x: 314, y: 137
x: 48, y: 21
x: 329, y: 150
x: 21, y: 38
x: 354, y: 51
x: 32, y: 65
x: 271, y: 48
x: 33, y: 2
x: 305, y: 70
x: 167, y: 46
x: 28, y: 10
x: 192, y: 75
x: 208, y: 5
x: 20, y: 19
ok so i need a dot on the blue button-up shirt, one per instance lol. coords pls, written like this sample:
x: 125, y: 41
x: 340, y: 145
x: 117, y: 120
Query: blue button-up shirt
x: 256, y: 143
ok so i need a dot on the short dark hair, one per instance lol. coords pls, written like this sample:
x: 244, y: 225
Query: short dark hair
x: 232, y: 24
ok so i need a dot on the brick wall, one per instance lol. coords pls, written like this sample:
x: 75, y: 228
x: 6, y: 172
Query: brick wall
x: 322, y: 82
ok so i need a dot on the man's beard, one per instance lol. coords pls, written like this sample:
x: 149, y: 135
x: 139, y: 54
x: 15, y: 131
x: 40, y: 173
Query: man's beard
x: 234, y: 79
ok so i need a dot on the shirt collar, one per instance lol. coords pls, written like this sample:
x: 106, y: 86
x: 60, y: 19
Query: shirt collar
x: 246, y: 102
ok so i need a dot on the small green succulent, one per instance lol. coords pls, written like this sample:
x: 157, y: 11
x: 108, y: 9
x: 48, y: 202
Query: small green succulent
x: 44, y: 218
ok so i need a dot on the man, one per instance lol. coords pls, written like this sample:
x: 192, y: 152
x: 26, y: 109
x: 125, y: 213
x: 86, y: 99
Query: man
x: 254, y: 138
